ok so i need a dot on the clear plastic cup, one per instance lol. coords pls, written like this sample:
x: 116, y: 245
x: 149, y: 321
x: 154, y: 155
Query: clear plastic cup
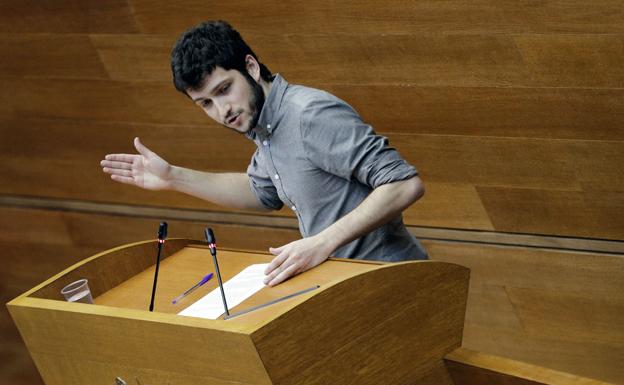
x: 78, y: 292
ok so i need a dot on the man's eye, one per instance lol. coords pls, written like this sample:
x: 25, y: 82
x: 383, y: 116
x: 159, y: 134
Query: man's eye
x: 206, y: 103
x: 224, y: 89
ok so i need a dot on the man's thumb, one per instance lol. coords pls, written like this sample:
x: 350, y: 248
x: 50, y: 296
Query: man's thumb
x: 141, y: 148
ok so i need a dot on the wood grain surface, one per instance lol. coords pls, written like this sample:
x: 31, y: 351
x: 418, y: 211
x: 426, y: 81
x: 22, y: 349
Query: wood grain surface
x: 113, y: 342
x: 109, y: 337
x: 560, y: 310
x: 73, y: 16
x: 512, y: 112
x: 535, y: 186
x: 485, y: 16
x: 354, y: 332
x: 469, y: 367
x: 526, y: 304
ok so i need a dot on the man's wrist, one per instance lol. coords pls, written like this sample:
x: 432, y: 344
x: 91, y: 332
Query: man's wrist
x: 174, y: 178
x: 328, y: 241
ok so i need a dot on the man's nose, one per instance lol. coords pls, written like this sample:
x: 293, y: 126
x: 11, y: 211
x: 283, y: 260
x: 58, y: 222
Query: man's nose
x: 223, y: 110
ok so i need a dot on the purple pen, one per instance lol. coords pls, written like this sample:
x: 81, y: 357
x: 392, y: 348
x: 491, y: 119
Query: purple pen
x: 189, y: 291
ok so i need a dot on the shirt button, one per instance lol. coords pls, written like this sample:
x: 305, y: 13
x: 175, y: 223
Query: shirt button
x: 266, y: 142
x: 276, y: 177
x: 268, y: 126
x: 294, y: 208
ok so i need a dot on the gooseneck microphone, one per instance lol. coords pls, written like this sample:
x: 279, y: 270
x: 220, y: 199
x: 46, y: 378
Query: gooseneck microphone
x: 212, y: 245
x: 162, y: 235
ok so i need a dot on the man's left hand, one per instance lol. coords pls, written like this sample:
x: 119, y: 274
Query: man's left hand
x: 294, y: 258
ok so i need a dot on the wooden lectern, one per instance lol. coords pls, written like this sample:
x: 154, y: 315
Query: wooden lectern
x: 367, y: 323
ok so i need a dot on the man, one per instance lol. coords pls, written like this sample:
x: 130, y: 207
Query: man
x: 346, y: 186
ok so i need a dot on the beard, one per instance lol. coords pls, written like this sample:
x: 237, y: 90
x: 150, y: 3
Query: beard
x: 257, y: 100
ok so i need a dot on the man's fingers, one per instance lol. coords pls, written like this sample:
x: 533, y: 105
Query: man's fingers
x: 126, y: 158
x: 118, y: 172
x: 283, y: 261
x: 286, y: 273
x: 116, y: 164
x: 276, y: 250
x: 116, y: 168
x: 275, y: 263
x: 141, y: 148
x: 123, y: 179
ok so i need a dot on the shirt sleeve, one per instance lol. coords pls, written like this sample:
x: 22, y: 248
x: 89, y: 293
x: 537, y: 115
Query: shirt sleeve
x: 336, y: 140
x: 261, y: 184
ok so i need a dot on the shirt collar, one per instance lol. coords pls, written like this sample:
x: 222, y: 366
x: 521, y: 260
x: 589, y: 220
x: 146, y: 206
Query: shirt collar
x: 272, y: 103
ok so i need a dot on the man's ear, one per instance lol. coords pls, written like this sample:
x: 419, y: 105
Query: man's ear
x: 253, y: 68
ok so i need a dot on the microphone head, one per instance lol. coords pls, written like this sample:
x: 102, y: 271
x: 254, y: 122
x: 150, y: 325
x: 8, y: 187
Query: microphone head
x: 210, y: 238
x: 162, y: 231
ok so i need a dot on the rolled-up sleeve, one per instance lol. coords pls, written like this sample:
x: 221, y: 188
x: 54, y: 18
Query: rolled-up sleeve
x: 261, y: 184
x: 336, y: 140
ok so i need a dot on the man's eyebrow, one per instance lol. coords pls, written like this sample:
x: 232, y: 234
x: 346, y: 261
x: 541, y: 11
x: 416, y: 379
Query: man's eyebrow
x: 212, y: 92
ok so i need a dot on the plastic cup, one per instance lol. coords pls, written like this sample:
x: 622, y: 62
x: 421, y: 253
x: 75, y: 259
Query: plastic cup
x: 78, y: 292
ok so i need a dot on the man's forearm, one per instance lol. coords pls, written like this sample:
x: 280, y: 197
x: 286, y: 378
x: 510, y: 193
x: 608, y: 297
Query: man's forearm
x: 383, y: 204
x: 225, y: 189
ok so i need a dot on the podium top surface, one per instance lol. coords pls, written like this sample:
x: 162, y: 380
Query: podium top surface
x: 187, y: 266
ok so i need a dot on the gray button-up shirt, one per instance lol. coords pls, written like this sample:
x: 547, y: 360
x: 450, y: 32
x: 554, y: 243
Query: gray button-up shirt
x: 317, y: 156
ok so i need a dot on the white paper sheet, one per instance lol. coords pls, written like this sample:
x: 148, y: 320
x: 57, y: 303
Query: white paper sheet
x: 242, y: 286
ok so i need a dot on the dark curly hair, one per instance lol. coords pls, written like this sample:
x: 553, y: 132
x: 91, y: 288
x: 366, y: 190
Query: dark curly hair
x: 200, y: 49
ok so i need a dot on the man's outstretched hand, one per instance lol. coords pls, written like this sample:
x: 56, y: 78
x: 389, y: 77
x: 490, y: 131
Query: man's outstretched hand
x: 145, y: 169
x: 296, y: 257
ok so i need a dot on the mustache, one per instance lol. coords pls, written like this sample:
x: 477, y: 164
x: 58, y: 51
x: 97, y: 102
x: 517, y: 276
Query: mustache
x: 231, y: 116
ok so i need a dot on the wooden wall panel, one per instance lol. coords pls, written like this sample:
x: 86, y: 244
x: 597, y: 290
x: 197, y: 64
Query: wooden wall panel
x: 136, y: 57
x: 49, y: 56
x: 203, y: 147
x: 491, y: 161
x: 504, y: 184
x: 68, y: 16
x: 465, y: 60
x: 434, y: 59
x: 453, y: 205
x: 504, y: 162
x: 582, y: 213
x: 100, y: 100
x: 552, y: 113
x: 601, y: 166
x: 452, y: 60
x: 51, y: 158
x: 532, y: 112
x: 6, y: 107
x: 391, y: 17
x: 577, y: 60
x: 557, y: 309
x: 85, y: 181
x: 460, y: 60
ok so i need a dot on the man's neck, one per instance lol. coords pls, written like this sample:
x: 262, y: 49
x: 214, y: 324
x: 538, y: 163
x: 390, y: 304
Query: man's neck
x: 266, y: 87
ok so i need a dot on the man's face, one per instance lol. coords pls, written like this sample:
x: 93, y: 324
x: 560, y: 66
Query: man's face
x: 230, y: 98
